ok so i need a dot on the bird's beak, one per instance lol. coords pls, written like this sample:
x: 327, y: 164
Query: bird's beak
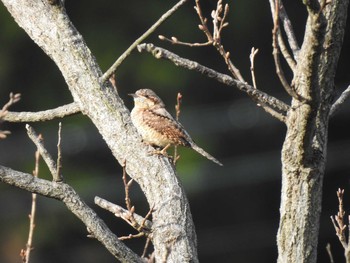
x: 132, y: 95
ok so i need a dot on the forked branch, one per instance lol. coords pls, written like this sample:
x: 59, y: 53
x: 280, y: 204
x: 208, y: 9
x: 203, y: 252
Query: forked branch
x: 219, y: 16
x: 279, y: 108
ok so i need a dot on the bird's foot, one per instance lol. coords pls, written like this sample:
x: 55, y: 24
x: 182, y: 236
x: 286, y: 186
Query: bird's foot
x: 162, y: 152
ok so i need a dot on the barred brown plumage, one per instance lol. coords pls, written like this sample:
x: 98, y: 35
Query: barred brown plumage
x: 157, y: 127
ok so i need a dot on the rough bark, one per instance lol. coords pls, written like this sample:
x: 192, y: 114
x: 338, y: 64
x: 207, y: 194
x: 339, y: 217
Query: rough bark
x: 66, y: 194
x: 305, y: 146
x: 49, y: 26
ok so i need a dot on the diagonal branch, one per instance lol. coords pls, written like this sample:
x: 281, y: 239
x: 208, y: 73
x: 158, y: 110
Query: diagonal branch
x: 258, y: 96
x: 288, y: 29
x: 276, y: 35
x: 38, y: 141
x: 340, y: 102
x: 127, y: 52
x: 122, y: 213
x: 75, y: 204
x: 59, y: 112
x: 287, y: 26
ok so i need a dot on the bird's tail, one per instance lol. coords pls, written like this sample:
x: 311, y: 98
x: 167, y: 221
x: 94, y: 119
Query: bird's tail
x: 204, y: 153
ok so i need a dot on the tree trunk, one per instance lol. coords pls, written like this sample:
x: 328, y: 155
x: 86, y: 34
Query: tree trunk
x: 305, y: 147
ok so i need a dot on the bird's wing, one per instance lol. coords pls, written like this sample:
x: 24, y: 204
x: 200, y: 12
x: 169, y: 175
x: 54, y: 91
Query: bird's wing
x: 161, y: 121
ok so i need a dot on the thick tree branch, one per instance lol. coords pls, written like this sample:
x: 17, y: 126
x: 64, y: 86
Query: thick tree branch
x: 55, y: 34
x: 71, y: 199
x: 59, y: 112
x: 258, y: 96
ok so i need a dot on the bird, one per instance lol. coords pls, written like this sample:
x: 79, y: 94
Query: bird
x: 156, y: 125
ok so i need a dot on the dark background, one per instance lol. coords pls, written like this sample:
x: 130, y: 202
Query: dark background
x: 236, y: 207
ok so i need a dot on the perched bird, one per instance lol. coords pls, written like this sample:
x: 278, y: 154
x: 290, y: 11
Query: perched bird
x: 157, y: 127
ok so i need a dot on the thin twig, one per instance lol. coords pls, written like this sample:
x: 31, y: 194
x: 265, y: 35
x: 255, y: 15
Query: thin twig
x: 339, y: 102
x: 142, y: 228
x: 219, y: 16
x: 288, y: 29
x: 178, y: 111
x: 148, y: 241
x: 131, y: 236
x: 126, y: 188
x: 127, y: 52
x: 38, y: 141
x: 59, y: 112
x: 122, y: 213
x: 285, y: 52
x: 329, y: 252
x: 4, y: 111
x: 277, y: 108
x: 59, y: 155
x: 251, y: 58
x: 25, y: 253
x: 279, y: 70
x: 113, y: 81
x: 338, y: 222
x: 174, y: 40
x: 13, y: 99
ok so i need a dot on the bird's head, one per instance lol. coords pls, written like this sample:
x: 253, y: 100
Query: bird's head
x: 147, y: 99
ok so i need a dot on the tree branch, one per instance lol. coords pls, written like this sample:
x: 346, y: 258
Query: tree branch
x: 59, y: 112
x: 75, y: 204
x: 38, y: 141
x: 287, y: 26
x: 127, y: 52
x: 120, y: 212
x: 339, y: 102
x: 100, y: 102
x: 258, y: 96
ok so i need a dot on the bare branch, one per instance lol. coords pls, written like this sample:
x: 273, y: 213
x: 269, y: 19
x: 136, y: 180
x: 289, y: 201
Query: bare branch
x: 38, y: 141
x: 279, y: 70
x: 13, y: 99
x: 285, y: 52
x: 120, y: 212
x: 4, y: 111
x: 174, y: 40
x: 329, y: 252
x: 251, y: 58
x: 219, y: 16
x: 338, y: 222
x: 59, y: 155
x: 287, y: 26
x: 59, y: 112
x: 339, y: 102
x: 288, y: 29
x: 127, y: 52
x: 277, y: 106
x: 178, y: 111
x: 66, y: 194
x: 25, y: 253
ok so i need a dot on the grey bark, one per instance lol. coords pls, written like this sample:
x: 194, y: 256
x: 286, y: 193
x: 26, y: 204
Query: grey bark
x: 66, y: 194
x: 49, y: 26
x: 305, y: 147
